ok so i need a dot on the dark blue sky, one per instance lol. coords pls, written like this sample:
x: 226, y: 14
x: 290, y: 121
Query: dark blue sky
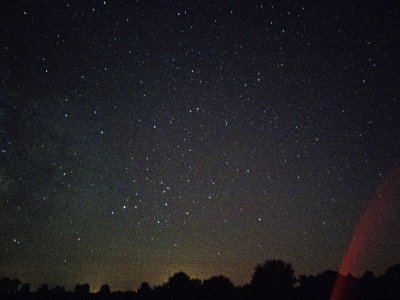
x: 139, y: 139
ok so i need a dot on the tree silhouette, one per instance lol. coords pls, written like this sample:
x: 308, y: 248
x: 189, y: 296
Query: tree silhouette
x: 4, y: 285
x: 145, y: 290
x: 365, y: 285
x: 25, y: 289
x: 9, y: 286
x: 105, y: 289
x: 82, y: 289
x: 43, y: 289
x: 388, y: 285
x: 274, y: 279
x: 317, y: 287
x: 180, y: 286
x: 14, y: 284
x: 57, y: 290
x: 218, y: 282
x: 218, y: 287
x: 179, y: 280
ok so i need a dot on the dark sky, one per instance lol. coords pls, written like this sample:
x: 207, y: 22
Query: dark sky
x: 141, y: 138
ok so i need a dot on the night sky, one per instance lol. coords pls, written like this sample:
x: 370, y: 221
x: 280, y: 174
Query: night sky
x: 142, y: 138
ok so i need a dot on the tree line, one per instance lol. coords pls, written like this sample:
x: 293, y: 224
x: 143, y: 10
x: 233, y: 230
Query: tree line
x: 274, y: 279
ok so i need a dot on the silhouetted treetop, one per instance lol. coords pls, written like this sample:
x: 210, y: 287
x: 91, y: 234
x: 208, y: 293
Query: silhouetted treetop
x: 273, y: 273
x: 181, y: 280
x: 218, y: 282
x: 274, y: 279
x: 9, y: 286
x: 82, y: 289
x: 105, y: 289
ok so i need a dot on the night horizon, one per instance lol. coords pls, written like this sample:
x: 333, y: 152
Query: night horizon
x: 35, y: 286
x: 140, y: 139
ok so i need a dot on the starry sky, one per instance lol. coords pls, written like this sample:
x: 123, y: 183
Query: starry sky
x: 141, y: 138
